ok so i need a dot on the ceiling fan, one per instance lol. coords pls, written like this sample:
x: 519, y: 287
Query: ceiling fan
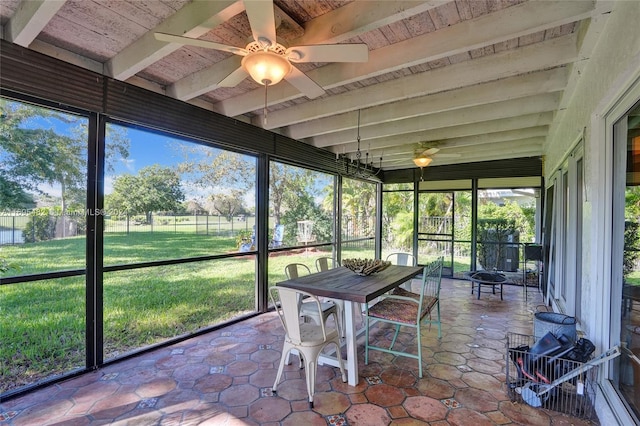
x: 423, y: 157
x: 267, y: 61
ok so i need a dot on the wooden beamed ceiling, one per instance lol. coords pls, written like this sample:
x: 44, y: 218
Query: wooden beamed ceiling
x: 478, y: 79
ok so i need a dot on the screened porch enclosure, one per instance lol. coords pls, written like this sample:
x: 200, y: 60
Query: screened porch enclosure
x: 176, y: 244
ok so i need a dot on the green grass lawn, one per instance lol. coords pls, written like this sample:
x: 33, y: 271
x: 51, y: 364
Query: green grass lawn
x: 42, y: 323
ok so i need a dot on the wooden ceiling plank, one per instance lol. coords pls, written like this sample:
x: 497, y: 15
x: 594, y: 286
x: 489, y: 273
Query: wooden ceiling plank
x: 29, y: 20
x: 547, y: 81
x: 193, y: 20
x: 485, y: 30
x: 359, y: 17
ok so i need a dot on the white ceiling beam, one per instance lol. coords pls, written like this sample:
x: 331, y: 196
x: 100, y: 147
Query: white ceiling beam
x: 487, y: 148
x: 527, y: 150
x: 512, y: 108
x: 66, y: 56
x: 504, y: 154
x: 531, y: 58
x: 193, y: 20
x: 29, y: 20
x: 458, y: 131
x: 495, y: 91
x: 589, y: 32
x: 203, y: 81
x: 336, y: 25
x: 449, y: 145
x: 505, y: 24
x: 405, y: 153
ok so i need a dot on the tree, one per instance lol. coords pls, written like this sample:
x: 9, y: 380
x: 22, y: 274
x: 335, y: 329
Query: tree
x: 13, y: 195
x: 359, y: 203
x: 193, y: 207
x: 33, y: 154
x: 228, y: 205
x: 155, y: 188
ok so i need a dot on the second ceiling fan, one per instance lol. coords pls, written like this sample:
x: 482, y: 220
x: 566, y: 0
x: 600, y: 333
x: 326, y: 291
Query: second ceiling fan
x: 267, y: 61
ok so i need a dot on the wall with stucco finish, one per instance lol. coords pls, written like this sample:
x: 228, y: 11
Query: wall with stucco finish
x: 612, y: 49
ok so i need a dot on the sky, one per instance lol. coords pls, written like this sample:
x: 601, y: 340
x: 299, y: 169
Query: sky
x: 145, y: 149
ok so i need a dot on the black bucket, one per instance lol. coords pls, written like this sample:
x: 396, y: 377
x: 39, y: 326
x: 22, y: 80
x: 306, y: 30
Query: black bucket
x: 556, y: 323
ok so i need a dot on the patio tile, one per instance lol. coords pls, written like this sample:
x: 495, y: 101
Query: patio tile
x: 384, y: 395
x: 226, y: 377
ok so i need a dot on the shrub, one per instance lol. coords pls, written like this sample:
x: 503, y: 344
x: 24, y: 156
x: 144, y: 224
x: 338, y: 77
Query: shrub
x: 631, y: 247
x: 40, y: 227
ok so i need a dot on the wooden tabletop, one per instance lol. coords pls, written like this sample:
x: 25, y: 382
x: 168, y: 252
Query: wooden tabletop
x: 342, y: 283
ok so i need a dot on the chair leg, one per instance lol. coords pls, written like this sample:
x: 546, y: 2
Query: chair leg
x: 439, y: 322
x: 284, y: 358
x: 340, y: 363
x: 418, y: 332
x: 311, y: 378
x: 395, y: 336
x: 366, y: 338
x: 340, y: 320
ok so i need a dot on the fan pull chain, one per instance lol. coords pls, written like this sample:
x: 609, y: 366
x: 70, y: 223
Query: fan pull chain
x: 264, y: 113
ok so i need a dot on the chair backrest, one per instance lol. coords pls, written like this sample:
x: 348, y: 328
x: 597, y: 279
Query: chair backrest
x: 402, y: 259
x: 278, y: 236
x: 287, y: 304
x: 325, y: 263
x: 294, y: 270
x: 432, y: 278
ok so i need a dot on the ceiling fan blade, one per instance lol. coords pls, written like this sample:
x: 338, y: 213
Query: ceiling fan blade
x: 170, y: 38
x: 329, y: 53
x: 303, y: 83
x: 451, y: 155
x: 262, y: 20
x: 430, y: 151
x: 234, y: 78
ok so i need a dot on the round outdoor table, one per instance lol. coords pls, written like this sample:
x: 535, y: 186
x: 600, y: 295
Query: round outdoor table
x: 480, y: 278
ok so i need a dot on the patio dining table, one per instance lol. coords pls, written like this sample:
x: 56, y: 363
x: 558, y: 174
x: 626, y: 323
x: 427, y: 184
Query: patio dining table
x: 342, y: 283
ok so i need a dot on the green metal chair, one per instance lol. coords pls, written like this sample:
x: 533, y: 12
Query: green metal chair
x: 405, y: 308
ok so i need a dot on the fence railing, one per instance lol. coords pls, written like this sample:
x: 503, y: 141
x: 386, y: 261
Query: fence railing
x: 13, y: 229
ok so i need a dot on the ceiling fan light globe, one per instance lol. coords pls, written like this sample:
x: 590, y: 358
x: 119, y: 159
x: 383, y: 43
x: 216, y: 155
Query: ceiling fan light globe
x: 266, y: 67
x: 422, y: 161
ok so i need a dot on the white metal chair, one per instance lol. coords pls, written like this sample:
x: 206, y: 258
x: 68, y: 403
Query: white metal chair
x: 403, y: 259
x: 405, y: 308
x: 308, y: 339
x: 311, y: 311
x: 324, y: 264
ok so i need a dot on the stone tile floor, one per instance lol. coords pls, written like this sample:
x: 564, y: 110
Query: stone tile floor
x: 225, y: 378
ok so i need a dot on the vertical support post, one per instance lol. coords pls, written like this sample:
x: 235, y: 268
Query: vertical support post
x: 474, y: 223
x: 261, y: 224
x: 94, y: 332
x: 337, y: 222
